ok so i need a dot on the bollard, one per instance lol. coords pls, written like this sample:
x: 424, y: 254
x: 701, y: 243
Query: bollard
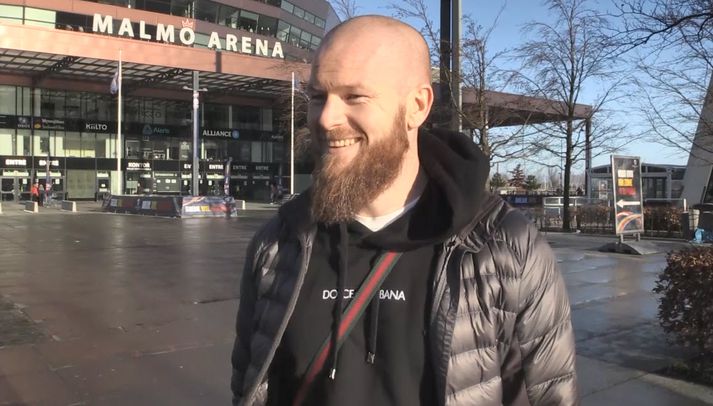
x: 31, y: 207
x: 68, y: 205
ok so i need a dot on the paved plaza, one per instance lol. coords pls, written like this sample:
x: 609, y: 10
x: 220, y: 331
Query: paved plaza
x: 106, y: 309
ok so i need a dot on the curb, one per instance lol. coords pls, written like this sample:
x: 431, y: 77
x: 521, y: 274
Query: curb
x: 693, y: 390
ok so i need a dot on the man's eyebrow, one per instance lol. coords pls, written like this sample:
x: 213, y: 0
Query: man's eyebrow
x: 339, y: 88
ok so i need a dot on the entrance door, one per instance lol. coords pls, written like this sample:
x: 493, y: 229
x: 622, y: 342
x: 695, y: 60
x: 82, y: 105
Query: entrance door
x: 14, y: 189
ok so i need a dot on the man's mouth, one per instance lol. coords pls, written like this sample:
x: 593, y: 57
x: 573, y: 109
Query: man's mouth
x: 343, y: 143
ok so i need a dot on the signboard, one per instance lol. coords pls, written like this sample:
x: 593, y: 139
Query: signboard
x: 628, y: 205
x: 186, y: 35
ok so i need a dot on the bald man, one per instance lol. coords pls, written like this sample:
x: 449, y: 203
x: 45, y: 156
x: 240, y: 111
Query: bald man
x: 396, y: 279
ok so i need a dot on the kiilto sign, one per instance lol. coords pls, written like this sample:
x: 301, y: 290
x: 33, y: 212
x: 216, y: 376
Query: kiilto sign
x: 186, y: 36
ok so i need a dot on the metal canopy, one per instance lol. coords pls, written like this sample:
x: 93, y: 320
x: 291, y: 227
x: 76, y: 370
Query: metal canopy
x: 42, y: 66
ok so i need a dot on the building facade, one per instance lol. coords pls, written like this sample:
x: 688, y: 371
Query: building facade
x: 658, y: 182
x: 59, y: 108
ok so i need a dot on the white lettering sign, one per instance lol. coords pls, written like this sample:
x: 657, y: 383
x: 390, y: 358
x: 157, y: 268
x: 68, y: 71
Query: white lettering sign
x: 16, y: 162
x: 96, y: 127
x: 187, y: 36
x: 138, y: 165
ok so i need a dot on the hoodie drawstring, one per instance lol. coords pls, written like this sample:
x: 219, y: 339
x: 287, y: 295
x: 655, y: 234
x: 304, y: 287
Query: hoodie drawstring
x: 341, y: 284
x: 373, y: 328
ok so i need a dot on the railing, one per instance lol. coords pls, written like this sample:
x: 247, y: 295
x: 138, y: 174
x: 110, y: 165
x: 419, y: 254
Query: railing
x: 662, y: 217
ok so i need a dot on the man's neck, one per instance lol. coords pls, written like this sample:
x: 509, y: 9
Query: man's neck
x: 409, y: 185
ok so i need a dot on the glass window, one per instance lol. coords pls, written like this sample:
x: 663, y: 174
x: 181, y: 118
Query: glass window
x: 273, y: 2
x: 677, y: 174
x: 216, y: 116
x: 40, y: 18
x: 299, y: 12
x: 267, y: 26
x: 158, y: 6
x: 23, y: 143
x: 89, y: 145
x: 104, y: 146
x: 315, y: 42
x: 287, y: 6
x: 10, y: 12
x: 247, y: 21
x: 319, y: 22
x: 278, y: 152
x: 6, y: 136
x: 52, y: 103
x: 73, y: 105
x: 71, y: 21
x: 228, y: 16
x: 207, y: 11
x: 7, y: 99
x: 178, y: 113
x: 246, y: 117
x: 239, y: 150
x: 56, y: 143
x: 183, y: 8
x: 283, y: 31
x: 305, y: 39
x: 214, y: 150
x: 23, y: 101
x: 295, y: 35
x: 309, y: 17
x: 72, y: 144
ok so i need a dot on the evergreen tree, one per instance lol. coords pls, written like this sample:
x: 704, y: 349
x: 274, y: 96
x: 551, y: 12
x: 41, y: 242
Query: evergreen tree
x: 517, y: 177
x: 497, y: 181
x: 531, y: 183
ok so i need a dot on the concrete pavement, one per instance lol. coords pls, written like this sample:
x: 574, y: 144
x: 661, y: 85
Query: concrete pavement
x: 104, y: 309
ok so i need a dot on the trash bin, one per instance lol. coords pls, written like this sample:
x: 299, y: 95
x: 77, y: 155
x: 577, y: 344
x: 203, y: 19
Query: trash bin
x: 686, y: 230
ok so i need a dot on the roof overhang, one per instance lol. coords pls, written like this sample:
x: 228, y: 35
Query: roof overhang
x: 43, y: 56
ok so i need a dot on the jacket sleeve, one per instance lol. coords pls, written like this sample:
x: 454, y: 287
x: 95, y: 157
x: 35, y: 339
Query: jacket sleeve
x: 244, y: 326
x: 544, y: 326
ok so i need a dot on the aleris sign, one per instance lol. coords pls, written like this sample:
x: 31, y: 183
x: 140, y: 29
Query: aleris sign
x: 187, y: 36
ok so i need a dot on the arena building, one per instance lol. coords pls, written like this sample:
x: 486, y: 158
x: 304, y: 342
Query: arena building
x: 58, y: 116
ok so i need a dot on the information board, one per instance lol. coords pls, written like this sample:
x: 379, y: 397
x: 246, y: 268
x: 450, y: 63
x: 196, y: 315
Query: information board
x: 628, y: 205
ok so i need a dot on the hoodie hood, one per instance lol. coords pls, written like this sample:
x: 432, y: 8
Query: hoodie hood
x: 457, y: 172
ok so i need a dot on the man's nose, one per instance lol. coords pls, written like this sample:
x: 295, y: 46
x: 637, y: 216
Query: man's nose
x: 332, y: 113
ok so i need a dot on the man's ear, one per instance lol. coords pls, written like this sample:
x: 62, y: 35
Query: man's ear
x: 419, y: 105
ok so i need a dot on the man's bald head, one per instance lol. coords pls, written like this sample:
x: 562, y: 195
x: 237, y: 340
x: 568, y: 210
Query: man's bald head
x: 391, y: 41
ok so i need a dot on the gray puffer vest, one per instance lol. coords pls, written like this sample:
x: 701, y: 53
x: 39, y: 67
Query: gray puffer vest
x: 500, y: 329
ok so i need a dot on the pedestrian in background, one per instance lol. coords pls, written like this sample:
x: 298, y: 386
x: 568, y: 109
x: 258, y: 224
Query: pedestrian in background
x: 35, y: 192
x: 396, y: 279
x: 41, y: 194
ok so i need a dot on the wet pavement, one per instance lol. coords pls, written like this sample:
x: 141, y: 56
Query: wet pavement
x: 106, y: 309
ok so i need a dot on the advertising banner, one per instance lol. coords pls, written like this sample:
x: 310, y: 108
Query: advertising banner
x: 208, y: 206
x: 628, y: 204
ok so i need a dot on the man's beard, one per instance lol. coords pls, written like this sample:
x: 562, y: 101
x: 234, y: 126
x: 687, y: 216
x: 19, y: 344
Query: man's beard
x: 342, y: 190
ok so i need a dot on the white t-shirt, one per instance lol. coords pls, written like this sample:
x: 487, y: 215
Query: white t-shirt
x: 377, y: 223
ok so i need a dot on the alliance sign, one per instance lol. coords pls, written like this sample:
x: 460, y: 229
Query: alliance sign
x: 187, y: 36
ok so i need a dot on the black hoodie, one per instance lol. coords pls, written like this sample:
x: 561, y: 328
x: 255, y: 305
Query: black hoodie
x: 394, y: 327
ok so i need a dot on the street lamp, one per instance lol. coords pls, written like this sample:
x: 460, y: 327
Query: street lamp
x: 196, y: 104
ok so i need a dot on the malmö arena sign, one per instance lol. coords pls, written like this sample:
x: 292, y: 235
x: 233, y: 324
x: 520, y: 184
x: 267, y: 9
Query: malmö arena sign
x: 187, y: 36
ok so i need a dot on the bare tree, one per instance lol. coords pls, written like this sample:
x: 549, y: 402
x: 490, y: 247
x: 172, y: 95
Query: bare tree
x: 558, y: 62
x: 345, y: 9
x: 480, y: 76
x: 675, y: 38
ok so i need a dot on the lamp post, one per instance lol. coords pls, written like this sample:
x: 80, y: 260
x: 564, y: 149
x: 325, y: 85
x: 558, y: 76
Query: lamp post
x: 196, y: 124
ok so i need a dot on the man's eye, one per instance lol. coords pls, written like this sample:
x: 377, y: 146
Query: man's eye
x: 356, y: 97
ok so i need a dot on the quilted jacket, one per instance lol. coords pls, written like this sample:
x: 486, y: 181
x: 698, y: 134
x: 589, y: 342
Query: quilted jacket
x: 500, y: 330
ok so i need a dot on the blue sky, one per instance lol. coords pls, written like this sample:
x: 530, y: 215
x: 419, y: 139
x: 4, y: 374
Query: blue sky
x: 507, y: 34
